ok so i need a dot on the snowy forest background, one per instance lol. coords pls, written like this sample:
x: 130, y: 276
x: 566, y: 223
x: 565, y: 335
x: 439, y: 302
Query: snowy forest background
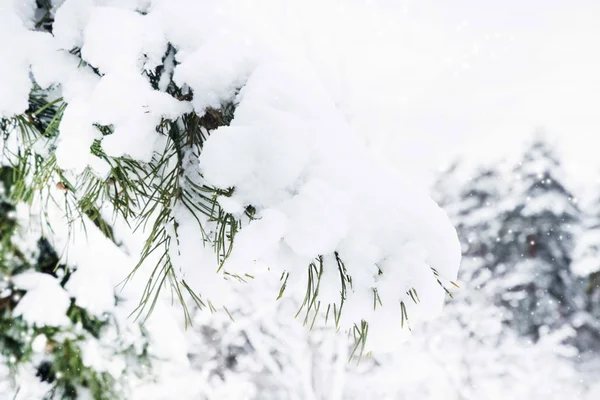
x: 393, y: 88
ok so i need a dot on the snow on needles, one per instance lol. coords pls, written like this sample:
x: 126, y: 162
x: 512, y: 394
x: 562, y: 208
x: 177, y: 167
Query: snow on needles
x: 291, y: 152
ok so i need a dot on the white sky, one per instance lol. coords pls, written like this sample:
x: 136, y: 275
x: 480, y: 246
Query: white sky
x: 485, y: 74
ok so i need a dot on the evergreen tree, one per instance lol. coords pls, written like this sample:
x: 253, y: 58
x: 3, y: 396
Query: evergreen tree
x: 41, y: 344
x: 535, y: 244
x: 56, y: 342
x: 518, y: 238
x: 478, y: 214
x: 481, y: 342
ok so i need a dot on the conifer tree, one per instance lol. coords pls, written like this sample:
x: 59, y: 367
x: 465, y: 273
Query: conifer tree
x: 478, y: 214
x: 535, y: 244
x: 38, y: 339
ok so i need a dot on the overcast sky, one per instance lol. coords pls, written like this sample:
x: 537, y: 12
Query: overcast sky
x: 484, y: 74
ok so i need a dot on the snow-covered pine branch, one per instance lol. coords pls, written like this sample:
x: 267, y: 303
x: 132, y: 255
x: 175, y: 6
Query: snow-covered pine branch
x: 188, y: 122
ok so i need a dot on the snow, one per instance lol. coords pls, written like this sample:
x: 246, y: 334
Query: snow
x: 14, y: 77
x: 45, y: 303
x: 290, y: 151
x: 127, y: 102
x: 312, y: 95
x: 279, y: 154
x: 38, y: 344
x: 293, y: 151
x: 69, y: 22
x: 31, y: 388
x: 215, y: 70
x: 77, y: 136
x: 587, y: 250
x: 133, y: 41
x: 99, y: 267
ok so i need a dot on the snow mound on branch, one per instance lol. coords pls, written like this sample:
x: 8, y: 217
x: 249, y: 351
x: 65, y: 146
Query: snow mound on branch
x: 14, y: 76
x: 290, y: 153
x: 132, y: 41
x: 45, y: 303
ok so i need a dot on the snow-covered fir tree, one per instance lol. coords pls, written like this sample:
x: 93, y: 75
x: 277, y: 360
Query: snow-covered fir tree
x: 535, y: 244
x: 518, y: 231
x: 478, y: 214
x: 477, y: 351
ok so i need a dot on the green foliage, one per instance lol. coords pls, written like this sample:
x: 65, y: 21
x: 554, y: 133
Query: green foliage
x: 61, y: 363
x: 69, y: 373
x: 143, y: 194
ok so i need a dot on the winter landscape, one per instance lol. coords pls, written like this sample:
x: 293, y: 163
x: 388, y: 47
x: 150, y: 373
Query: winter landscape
x: 304, y: 200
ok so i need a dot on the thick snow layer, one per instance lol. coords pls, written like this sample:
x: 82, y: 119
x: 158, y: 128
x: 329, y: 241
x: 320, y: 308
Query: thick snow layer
x: 293, y: 151
x: 290, y: 152
x: 132, y: 41
x: 14, y: 76
x: 45, y: 303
